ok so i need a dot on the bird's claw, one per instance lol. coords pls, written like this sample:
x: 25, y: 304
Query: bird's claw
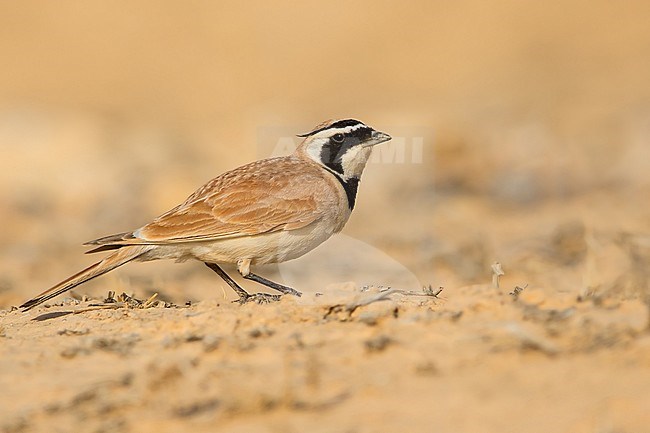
x: 293, y: 292
x: 259, y: 298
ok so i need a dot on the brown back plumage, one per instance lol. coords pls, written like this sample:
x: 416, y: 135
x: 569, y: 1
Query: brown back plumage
x: 260, y: 197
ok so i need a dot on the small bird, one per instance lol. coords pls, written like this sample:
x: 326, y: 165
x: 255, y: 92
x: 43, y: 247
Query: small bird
x: 267, y: 211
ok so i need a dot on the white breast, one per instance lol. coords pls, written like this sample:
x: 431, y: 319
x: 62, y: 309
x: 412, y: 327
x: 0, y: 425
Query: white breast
x: 267, y: 248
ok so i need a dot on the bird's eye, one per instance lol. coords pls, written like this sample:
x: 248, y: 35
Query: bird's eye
x: 338, y: 138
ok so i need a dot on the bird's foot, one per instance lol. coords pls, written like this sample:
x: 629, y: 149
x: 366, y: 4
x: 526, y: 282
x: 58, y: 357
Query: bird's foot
x: 275, y: 286
x: 293, y: 292
x: 258, y: 298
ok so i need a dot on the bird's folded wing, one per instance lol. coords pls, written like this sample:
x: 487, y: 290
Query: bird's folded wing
x: 232, y: 214
x: 229, y: 206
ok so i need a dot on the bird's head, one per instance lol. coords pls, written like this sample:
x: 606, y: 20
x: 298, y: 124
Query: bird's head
x: 342, y: 146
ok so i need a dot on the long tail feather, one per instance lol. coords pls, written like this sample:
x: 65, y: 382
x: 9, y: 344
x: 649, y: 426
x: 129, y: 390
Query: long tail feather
x: 110, y: 262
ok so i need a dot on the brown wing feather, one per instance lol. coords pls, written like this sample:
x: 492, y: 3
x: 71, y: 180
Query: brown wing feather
x: 260, y: 197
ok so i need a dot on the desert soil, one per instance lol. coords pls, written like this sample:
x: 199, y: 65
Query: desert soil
x: 521, y: 136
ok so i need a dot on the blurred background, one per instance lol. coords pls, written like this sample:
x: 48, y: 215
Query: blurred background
x: 521, y: 134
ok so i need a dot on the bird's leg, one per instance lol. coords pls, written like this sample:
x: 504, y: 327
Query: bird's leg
x: 244, y: 296
x: 243, y: 266
x: 275, y: 286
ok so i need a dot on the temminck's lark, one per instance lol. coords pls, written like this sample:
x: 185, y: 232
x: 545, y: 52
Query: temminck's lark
x: 268, y: 211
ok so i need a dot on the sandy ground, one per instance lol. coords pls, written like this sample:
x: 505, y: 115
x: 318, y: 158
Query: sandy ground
x: 521, y: 137
x: 472, y: 359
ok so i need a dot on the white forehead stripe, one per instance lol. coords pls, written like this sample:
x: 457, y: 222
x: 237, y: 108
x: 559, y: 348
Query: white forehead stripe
x: 331, y: 131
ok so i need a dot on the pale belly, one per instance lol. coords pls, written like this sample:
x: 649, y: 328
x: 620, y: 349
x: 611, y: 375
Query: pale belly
x: 267, y: 248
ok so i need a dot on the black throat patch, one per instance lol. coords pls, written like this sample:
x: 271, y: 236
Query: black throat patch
x: 351, y: 186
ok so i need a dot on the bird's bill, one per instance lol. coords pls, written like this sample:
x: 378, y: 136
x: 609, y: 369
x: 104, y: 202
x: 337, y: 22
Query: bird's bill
x: 376, y: 138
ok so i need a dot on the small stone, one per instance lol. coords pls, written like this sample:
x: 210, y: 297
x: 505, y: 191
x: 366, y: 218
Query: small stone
x: 378, y: 344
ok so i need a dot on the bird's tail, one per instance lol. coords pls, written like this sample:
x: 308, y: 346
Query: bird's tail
x: 110, y: 262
